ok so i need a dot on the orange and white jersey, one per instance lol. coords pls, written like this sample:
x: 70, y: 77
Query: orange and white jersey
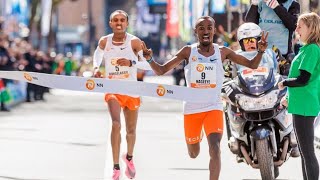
x: 113, y: 52
x: 204, y: 72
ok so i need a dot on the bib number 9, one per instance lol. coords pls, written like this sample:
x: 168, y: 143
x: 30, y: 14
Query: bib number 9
x: 203, y: 75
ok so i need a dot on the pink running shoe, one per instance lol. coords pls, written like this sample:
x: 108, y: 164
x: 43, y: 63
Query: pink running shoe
x: 130, y: 170
x: 116, y: 174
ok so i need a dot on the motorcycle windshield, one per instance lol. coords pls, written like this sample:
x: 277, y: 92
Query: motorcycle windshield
x: 256, y: 81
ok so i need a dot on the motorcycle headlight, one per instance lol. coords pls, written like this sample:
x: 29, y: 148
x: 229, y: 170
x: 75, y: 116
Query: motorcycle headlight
x: 248, y: 103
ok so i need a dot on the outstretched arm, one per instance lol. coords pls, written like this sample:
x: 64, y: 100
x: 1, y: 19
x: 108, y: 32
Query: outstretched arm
x: 239, y: 59
x: 138, y: 63
x: 172, y: 63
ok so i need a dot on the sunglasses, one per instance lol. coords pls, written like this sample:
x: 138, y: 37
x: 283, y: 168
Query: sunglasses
x: 251, y: 40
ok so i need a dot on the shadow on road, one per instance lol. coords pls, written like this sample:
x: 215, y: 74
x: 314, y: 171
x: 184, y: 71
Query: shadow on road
x: 189, y: 169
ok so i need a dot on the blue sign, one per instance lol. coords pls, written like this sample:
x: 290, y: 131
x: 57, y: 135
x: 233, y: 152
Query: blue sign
x: 234, y: 3
x: 20, y: 9
x: 157, y: 2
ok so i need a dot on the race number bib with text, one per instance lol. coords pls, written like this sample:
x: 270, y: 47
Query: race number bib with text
x: 203, y: 75
x: 114, y: 71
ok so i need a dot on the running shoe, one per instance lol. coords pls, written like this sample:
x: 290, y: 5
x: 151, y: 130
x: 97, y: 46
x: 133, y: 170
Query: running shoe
x: 116, y: 174
x: 130, y: 170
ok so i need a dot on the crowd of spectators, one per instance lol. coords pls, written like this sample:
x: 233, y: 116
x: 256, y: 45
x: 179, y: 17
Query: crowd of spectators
x: 17, y: 54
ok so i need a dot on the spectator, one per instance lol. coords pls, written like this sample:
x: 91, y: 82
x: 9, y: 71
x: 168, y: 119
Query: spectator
x: 279, y: 18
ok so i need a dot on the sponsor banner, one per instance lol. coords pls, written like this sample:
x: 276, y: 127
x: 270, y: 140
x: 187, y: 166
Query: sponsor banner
x: 100, y: 85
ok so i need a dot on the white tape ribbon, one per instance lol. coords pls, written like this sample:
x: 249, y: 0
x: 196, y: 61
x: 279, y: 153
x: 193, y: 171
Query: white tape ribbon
x: 101, y: 85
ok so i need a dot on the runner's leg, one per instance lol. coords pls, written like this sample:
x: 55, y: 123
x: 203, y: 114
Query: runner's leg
x: 114, y: 110
x: 192, y: 130
x: 131, y: 117
x: 215, y: 155
x: 193, y: 150
x: 213, y: 125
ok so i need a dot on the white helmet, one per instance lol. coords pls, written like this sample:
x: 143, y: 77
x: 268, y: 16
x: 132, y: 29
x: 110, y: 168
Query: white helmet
x: 248, y: 30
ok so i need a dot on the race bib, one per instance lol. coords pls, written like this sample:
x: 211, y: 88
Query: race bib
x: 114, y: 71
x: 203, y: 75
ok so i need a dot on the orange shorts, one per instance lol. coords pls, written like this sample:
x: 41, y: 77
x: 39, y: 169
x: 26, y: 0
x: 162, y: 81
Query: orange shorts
x: 132, y: 103
x: 211, y: 121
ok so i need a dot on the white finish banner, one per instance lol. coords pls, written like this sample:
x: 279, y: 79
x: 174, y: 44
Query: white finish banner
x: 101, y: 85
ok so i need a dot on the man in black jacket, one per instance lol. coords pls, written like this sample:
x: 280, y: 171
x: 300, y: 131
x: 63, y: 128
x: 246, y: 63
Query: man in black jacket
x: 279, y: 18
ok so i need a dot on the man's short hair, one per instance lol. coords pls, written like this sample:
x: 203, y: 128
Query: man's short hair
x: 205, y: 17
x: 119, y: 12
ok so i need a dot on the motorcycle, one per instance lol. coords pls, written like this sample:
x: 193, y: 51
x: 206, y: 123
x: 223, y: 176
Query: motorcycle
x: 259, y: 129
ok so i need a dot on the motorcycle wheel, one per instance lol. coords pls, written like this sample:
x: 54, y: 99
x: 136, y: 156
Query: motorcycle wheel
x: 265, y: 159
x: 227, y: 124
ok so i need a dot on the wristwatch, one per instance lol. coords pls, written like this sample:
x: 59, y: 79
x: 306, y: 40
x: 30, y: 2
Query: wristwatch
x: 133, y: 62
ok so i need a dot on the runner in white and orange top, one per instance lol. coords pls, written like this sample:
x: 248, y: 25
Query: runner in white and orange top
x: 120, y: 51
x: 204, y: 70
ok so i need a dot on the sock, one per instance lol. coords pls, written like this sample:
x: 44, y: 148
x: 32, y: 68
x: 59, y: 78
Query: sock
x: 129, y: 157
x: 116, y: 166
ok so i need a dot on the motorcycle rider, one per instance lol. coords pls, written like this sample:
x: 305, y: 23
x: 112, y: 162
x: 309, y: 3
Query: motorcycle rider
x: 248, y: 35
